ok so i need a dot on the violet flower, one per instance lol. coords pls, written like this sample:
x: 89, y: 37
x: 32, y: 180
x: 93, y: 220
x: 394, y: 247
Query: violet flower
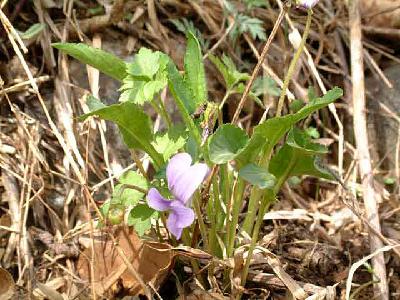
x: 307, y: 3
x: 183, y: 180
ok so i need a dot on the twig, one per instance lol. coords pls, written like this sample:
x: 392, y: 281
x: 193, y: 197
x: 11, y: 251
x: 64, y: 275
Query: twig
x: 12, y: 195
x: 267, y: 68
x: 259, y: 64
x: 221, y: 39
x: 360, y: 132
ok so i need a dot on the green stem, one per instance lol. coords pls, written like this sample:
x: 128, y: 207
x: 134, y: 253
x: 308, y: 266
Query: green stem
x: 164, y: 112
x: 253, y: 205
x: 224, y: 173
x: 293, y: 64
x: 139, y: 164
x: 256, y: 194
x: 214, y: 215
x: 203, y: 229
x: 237, y: 204
x: 267, y: 200
x: 195, y: 264
x: 226, y: 96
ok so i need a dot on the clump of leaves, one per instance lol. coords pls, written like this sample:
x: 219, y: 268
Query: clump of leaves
x: 184, y: 25
x: 255, y: 3
x: 245, y: 24
x: 275, y: 151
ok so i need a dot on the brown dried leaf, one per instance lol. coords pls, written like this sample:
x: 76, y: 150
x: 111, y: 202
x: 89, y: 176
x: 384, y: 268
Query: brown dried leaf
x: 7, y: 285
x: 151, y: 261
x: 382, y: 13
x: 191, y: 252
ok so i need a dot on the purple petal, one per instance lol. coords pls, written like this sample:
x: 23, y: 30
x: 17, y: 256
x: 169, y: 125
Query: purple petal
x: 307, y: 3
x: 156, y: 201
x: 185, y: 215
x: 179, y: 218
x: 177, y: 165
x: 188, y: 181
x: 171, y: 225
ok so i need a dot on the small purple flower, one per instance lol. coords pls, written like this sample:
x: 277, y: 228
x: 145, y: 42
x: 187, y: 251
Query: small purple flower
x: 307, y: 3
x: 183, y: 180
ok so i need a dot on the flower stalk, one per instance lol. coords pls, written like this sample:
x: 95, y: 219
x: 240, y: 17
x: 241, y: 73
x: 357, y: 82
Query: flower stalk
x: 293, y: 64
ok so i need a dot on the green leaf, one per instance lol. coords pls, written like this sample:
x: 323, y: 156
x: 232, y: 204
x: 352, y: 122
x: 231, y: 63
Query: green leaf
x: 312, y: 132
x: 126, y: 195
x: 389, y: 181
x: 180, y: 91
x: 301, y: 140
x: 170, y: 142
x: 184, y: 25
x: 134, y: 125
x: 105, y: 62
x: 140, y: 91
x: 93, y: 103
x: 140, y: 218
x: 145, y: 64
x: 229, y: 71
x: 226, y: 143
x: 311, y: 93
x: 257, y: 176
x: 299, y: 157
x: 183, y: 99
x: 32, y: 31
x: 244, y: 23
x: 255, y: 3
x: 296, y: 105
x: 268, y: 134
x: 265, y: 86
x: 132, y: 90
x: 290, y: 161
x: 194, y: 70
x: 152, y: 88
x: 147, y: 77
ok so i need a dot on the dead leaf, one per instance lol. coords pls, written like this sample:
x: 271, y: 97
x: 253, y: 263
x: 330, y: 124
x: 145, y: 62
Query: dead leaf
x: 150, y: 260
x: 382, y: 13
x: 7, y: 285
x: 191, y: 252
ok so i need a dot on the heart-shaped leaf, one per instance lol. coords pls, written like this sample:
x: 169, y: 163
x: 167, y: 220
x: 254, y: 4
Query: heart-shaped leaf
x: 269, y: 133
x: 226, y: 143
x: 257, y: 176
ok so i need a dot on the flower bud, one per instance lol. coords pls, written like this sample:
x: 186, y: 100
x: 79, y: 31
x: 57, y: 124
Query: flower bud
x: 306, y: 3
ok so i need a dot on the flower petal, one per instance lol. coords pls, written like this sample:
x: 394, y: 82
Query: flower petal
x: 156, y: 201
x: 179, y: 218
x: 172, y: 227
x: 187, y: 183
x: 177, y: 165
x: 185, y: 215
x: 307, y: 3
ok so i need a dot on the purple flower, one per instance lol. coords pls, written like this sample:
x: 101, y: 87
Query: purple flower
x: 307, y: 3
x: 183, y: 180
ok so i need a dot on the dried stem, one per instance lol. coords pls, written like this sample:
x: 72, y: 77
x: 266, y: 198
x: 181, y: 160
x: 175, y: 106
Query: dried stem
x: 258, y: 66
x: 360, y: 133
